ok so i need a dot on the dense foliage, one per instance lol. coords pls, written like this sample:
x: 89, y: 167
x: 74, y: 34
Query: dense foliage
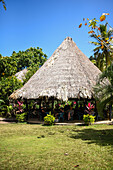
x: 102, y: 55
x: 104, y: 89
x: 32, y: 59
x: 21, y: 117
x: 102, y: 33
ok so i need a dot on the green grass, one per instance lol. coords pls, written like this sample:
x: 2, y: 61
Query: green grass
x: 24, y: 146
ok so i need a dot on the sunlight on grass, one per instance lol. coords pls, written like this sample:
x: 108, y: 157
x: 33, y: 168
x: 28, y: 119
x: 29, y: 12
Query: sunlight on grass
x: 24, y: 146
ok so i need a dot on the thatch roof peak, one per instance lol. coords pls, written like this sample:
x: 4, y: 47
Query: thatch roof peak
x: 68, y: 38
x: 68, y: 73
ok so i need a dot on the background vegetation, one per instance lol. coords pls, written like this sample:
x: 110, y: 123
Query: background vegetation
x: 32, y: 59
x: 102, y: 33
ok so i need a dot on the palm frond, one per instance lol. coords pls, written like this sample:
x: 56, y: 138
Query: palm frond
x: 95, y: 43
x: 2, y: 101
x: 97, y: 48
x: 104, y: 88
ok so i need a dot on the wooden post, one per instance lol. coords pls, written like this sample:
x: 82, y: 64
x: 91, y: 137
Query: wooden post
x: 40, y: 104
x: 76, y: 109
x: 27, y: 109
x: 96, y: 113
x: 85, y: 103
x: 52, y: 104
x: 110, y: 111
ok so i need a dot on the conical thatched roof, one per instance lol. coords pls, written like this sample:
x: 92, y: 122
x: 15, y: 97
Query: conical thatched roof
x: 68, y: 73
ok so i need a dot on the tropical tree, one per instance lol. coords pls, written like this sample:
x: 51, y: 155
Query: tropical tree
x: 98, y: 60
x: 1, y: 106
x: 103, y: 58
x: 31, y: 59
x: 1, y: 101
x: 8, y: 66
x: 7, y: 86
x: 104, y: 88
x: 102, y: 54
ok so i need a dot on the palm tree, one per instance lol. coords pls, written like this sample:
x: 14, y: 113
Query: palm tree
x: 98, y: 60
x: 104, y: 88
x: 102, y: 54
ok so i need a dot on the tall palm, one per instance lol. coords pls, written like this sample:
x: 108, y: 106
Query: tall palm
x: 101, y: 52
x: 98, y: 60
x: 104, y: 88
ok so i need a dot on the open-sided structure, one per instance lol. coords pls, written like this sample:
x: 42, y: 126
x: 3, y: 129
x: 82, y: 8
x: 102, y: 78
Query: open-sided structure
x: 67, y: 74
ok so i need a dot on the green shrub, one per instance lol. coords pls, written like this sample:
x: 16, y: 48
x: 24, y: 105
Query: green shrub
x: 9, y: 110
x: 88, y: 119
x: 49, y: 119
x: 3, y: 107
x: 21, y: 117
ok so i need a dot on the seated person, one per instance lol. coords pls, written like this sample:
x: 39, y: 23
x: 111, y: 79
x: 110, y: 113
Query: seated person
x: 61, y: 115
x: 70, y: 114
x: 43, y: 112
x: 56, y: 115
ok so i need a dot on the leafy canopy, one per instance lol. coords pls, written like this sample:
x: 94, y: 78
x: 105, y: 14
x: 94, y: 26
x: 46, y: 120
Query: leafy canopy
x: 31, y: 59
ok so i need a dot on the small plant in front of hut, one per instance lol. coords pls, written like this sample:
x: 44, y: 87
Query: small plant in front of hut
x: 89, y: 109
x: 49, y: 119
x: 90, y: 106
x: 21, y: 117
x: 9, y: 110
x: 88, y: 119
x: 18, y: 111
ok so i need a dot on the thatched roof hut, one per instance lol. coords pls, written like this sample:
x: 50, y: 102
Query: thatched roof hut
x: 68, y: 73
x: 21, y: 74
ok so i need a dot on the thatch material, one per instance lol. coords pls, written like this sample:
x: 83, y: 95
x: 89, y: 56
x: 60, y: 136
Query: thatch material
x: 21, y: 74
x: 68, y: 73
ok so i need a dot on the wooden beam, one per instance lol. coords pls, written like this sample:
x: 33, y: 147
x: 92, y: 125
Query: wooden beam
x: 96, y: 110
x: 26, y: 103
x: 40, y: 104
x: 52, y: 104
x: 110, y: 111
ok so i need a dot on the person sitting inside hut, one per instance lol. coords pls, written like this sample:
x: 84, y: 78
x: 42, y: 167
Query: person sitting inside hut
x: 43, y: 112
x: 59, y: 116
x: 70, y: 113
x: 55, y: 112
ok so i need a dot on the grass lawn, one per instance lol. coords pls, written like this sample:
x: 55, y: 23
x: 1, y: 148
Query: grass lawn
x: 24, y: 146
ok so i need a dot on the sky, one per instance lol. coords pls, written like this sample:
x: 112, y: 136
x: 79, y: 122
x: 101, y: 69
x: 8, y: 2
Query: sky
x: 46, y: 23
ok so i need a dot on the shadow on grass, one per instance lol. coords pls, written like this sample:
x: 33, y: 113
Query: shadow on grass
x: 100, y: 137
